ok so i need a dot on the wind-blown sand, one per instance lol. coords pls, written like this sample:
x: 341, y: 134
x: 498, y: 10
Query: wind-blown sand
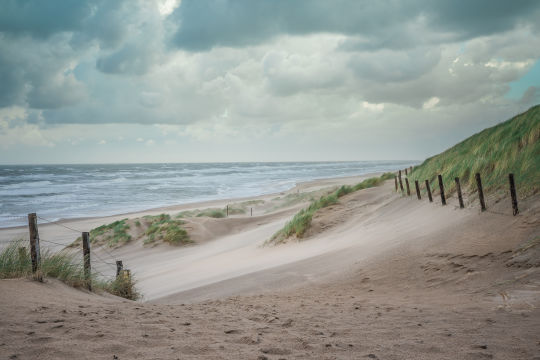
x: 380, y: 276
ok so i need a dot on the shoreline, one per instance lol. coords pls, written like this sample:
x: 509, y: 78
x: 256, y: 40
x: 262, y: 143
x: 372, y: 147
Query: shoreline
x: 316, y: 184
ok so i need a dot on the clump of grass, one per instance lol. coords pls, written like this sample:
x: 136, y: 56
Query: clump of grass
x: 122, y: 286
x: 512, y: 146
x: 113, y: 234
x: 15, y: 262
x: 221, y: 213
x: 301, y: 222
x: 214, y: 213
x: 162, y: 227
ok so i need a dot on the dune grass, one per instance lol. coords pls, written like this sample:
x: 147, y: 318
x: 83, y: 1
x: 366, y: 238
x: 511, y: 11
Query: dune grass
x: 301, y: 222
x: 162, y: 227
x: 15, y: 262
x: 212, y: 212
x: 113, y: 234
x: 510, y: 147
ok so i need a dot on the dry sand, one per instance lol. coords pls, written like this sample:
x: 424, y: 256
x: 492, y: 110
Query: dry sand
x: 380, y: 276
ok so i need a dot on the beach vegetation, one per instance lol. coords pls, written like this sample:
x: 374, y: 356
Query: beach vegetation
x: 113, y: 234
x: 163, y: 227
x: 66, y: 266
x: 301, y: 221
x: 512, y: 146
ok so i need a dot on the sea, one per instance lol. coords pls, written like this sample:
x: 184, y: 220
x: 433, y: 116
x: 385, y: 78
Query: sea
x: 72, y: 191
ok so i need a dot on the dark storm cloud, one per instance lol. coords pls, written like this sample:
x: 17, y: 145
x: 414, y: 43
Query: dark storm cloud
x: 205, y: 24
x: 41, y: 40
x: 87, y: 61
x: 41, y: 19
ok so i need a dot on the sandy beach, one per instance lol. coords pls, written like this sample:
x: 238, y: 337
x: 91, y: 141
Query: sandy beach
x: 380, y: 275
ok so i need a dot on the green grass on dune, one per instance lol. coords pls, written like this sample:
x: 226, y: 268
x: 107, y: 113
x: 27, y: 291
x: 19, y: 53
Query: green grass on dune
x: 162, y: 227
x: 509, y: 147
x: 301, y: 222
x: 15, y: 262
x: 113, y: 234
x: 212, y: 212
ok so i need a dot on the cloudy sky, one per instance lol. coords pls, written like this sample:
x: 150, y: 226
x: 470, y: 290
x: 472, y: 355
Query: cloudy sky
x: 259, y: 80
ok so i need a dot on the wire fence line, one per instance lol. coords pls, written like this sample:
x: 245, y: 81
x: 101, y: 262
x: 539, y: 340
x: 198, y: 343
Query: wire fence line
x: 109, y: 254
x: 58, y: 224
x: 94, y: 255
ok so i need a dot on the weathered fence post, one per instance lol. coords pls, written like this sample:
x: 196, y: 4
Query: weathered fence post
x: 400, y: 182
x: 408, y: 189
x: 227, y: 210
x: 410, y: 169
x: 429, y: 191
x: 515, y: 209
x: 460, y: 197
x: 34, y: 246
x: 441, y: 187
x: 480, y: 191
x: 417, y: 190
x: 395, y: 181
x: 119, y: 267
x: 86, y: 255
x: 406, y: 171
x: 251, y: 211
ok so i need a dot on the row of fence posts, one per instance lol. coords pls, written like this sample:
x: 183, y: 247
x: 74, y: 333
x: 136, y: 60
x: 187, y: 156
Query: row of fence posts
x: 35, y: 254
x: 478, y: 179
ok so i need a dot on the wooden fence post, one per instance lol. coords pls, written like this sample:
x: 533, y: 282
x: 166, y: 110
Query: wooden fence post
x: 417, y: 190
x: 460, y: 197
x: 35, y: 253
x: 227, y: 210
x: 515, y: 209
x: 119, y: 267
x: 410, y: 169
x: 408, y: 189
x: 251, y: 211
x: 86, y: 255
x: 441, y: 187
x: 395, y: 181
x: 406, y: 171
x: 429, y: 191
x: 400, y: 182
x: 480, y: 191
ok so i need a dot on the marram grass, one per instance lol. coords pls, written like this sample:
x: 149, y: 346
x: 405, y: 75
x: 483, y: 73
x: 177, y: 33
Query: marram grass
x: 512, y: 146
x: 15, y: 262
x: 301, y: 222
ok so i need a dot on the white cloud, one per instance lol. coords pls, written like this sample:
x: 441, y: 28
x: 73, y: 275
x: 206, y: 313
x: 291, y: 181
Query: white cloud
x: 372, y: 107
x: 431, y: 103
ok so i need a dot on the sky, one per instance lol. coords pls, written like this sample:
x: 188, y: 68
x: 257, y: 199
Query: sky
x: 98, y: 81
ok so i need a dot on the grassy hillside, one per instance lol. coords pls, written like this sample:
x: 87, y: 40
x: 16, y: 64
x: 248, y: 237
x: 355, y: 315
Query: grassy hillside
x: 509, y: 147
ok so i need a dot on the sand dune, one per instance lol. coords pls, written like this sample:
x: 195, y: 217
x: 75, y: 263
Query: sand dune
x: 380, y: 276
